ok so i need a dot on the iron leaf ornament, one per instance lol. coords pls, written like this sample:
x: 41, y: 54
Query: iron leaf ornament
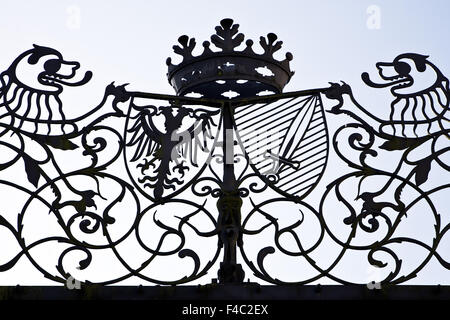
x: 216, y: 162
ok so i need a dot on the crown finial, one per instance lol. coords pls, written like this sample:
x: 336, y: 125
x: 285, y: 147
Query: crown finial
x: 244, y: 73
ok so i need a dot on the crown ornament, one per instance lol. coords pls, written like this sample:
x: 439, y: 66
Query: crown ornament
x: 226, y: 72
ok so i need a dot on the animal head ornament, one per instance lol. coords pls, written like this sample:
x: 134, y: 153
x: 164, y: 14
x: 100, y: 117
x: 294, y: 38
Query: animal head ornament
x: 420, y: 90
x: 31, y: 86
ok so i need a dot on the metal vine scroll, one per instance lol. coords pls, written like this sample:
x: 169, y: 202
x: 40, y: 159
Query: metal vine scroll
x: 159, y: 188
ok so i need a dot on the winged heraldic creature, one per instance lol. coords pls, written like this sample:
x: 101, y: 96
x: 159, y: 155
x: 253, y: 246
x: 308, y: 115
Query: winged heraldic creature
x: 172, y: 150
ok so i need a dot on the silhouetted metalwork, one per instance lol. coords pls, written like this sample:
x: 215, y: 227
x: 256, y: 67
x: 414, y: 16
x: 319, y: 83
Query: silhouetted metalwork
x: 171, y: 145
x: 243, y: 73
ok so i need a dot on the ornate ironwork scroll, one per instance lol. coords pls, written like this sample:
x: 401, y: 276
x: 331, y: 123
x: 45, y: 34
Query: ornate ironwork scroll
x: 143, y: 182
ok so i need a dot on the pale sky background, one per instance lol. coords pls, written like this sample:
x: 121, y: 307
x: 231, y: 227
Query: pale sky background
x: 129, y: 41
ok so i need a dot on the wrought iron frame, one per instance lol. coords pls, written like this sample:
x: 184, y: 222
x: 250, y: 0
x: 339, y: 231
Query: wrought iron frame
x: 360, y: 135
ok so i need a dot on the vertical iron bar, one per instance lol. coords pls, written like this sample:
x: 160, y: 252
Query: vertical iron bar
x: 229, y: 207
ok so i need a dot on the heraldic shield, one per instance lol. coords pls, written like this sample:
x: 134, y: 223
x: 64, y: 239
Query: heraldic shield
x: 286, y: 142
x: 168, y: 145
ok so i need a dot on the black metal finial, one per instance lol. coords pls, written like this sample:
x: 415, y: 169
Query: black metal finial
x: 243, y: 73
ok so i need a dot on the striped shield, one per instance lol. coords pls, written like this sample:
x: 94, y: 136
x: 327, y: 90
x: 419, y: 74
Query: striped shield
x: 286, y: 142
